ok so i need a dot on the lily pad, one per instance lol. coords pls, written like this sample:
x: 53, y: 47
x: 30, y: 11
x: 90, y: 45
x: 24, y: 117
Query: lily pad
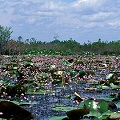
x: 118, y: 105
x: 63, y: 108
x: 39, y: 91
x: 24, y: 103
x: 102, y: 117
x: 115, y: 116
x: 103, y: 107
x: 109, y: 76
x: 93, y: 113
x: 104, y: 87
x: 108, y: 112
x: 57, y: 118
x: 114, y: 86
x: 107, y: 98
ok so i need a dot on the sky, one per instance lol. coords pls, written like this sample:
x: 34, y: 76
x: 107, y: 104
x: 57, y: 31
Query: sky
x: 81, y: 20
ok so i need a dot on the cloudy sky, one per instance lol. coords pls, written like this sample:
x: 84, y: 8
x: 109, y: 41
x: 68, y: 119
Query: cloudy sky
x: 81, y: 20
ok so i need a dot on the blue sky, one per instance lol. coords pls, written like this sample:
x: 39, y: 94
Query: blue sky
x: 81, y: 20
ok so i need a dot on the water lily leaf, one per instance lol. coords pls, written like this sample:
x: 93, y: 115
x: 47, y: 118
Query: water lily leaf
x: 65, y: 62
x: 24, y: 103
x: 5, y: 82
x: 89, y: 103
x: 109, y: 76
x: 93, y: 82
x: 82, y: 105
x: 57, y: 118
x: 104, y: 87
x: 118, y: 105
x: 73, y: 73
x: 15, y: 68
x: 108, y: 112
x: 29, y: 84
x: 107, y: 98
x: 115, y: 116
x: 86, y: 103
x: 95, y: 105
x: 40, y: 91
x: 68, y: 96
x: 102, y: 117
x: 79, y: 62
x: 114, y: 86
x: 103, y: 107
x: 93, y: 113
x: 63, y: 108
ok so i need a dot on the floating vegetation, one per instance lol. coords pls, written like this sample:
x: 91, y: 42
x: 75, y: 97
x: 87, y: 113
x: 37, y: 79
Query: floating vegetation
x: 57, y: 87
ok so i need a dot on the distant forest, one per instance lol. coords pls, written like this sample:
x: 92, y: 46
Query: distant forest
x: 9, y: 46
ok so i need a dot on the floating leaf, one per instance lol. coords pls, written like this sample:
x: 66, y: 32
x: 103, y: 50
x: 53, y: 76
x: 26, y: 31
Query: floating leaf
x: 57, y: 118
x: 93, y: 113
x: 63, y: 108
x: 24, y: 103
x: 103, y: 107
x: 102, y: 117
x: 109, y: 76
x: 73, y: 73
x: 108, y: 112
x: 106, y: 98
x: 118, y: 105
x: 68, y: 96
x: 104, y: 87
x: 115, y: 116
x: 114, y: 86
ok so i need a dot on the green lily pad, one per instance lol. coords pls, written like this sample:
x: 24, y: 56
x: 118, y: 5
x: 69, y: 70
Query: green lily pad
x: 114, y: 86
x: 109, y: 76
x: 115, y: 116
x: 118, y: 105
x: 73, y: 73
x: 104, y: 87
x: 40, y: 91
x: 15, y: 68
x: 68, y: 96
x: 57, y: 118
x: 102, y: 117
x: 103, y: 107
x: 108, y: 112
x: 24, y: 103
x: 93, y: 113
x: 107, y: 98
x: 5, y: 82
x: 63, y: 108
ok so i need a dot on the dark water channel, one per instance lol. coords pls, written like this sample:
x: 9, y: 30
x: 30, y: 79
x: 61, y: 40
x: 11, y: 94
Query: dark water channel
x: 45, y: 102
x: 43, y: 109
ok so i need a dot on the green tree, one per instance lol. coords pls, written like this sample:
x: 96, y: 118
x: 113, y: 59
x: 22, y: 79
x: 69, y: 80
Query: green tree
x: 20, y: 39
x: 5, y: 34
x: 32, y: 40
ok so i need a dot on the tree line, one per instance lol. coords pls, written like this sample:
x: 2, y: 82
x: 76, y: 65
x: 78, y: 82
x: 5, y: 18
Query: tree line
x: 9, y: 46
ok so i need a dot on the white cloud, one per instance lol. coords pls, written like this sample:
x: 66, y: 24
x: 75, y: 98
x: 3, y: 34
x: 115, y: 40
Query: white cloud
x: 114, y: 23
x: 81, y: 5
x: 100, y: 16
x: 64, y: 17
